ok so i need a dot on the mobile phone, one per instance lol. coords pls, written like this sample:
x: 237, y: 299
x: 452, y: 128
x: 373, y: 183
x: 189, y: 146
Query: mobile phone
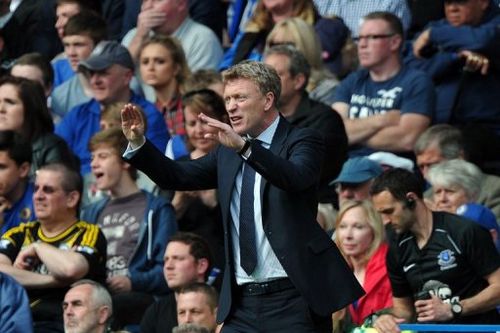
x: 423, y: 295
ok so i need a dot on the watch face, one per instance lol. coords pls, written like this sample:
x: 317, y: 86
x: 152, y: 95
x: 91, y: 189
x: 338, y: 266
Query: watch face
x: 456, y: 308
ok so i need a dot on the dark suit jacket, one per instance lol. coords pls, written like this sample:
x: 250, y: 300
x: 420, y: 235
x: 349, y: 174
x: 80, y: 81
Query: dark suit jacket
x: 290, y: 172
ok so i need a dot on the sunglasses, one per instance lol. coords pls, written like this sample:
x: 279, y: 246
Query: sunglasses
x: 47, y: 189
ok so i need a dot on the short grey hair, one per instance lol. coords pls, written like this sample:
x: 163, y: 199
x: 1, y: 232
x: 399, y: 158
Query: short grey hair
x: 100, y: 295
x: 262, y: 75
x: 190, y: 328
x: 446, y: 138
x: 459, y: 173
x: 297, y: 62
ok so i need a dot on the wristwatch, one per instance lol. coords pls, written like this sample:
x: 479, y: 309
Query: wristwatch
x: 456, y: 309
x: 246, y: 150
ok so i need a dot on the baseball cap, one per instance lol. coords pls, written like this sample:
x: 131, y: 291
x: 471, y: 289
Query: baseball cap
x: 106, y: 54
x: 358, y: 170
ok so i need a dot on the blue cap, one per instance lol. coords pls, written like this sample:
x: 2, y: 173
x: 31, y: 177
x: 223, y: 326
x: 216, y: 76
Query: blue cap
x: 358, y: 170
x: 480, y: 214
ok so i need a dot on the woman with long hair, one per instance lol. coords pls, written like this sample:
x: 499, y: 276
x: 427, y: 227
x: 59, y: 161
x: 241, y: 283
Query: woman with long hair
x: 23, y: 109
x: 360, y: 234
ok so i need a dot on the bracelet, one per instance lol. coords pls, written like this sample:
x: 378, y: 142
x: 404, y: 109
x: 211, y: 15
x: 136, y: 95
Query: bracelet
x: 245, y: 147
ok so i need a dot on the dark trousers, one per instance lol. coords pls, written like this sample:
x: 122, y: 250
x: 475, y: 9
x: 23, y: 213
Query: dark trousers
x: 282, y: 311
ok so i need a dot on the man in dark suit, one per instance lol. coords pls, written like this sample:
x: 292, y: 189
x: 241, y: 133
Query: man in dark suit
x: 283, y: 273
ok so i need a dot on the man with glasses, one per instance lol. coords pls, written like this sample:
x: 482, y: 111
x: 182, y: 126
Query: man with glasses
x: 47, y: 255
x: 355, y: 179
x: 385, y: 106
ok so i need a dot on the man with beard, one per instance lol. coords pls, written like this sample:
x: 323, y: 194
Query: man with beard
x: 87, y: 308
x: 431, y: 252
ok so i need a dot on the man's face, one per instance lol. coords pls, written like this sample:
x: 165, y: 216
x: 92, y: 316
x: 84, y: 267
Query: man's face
x: 49, y: 198
x: 169, y: 8
x: 76, y: 48
x: 63, y: 13
x: 80, y: 315
x: 376, y: 44
x: 107, y: 167
x: 193, y: 308
x: 393, y: 212
x: 464, y: 12
x: 180, y: 268
x: 449, y: 198
x: 353, y: 191
x: 111, y: 84
x: 247, y: 107
x: 11, y: 175
x: 289, y: 85
x: 428, y: 158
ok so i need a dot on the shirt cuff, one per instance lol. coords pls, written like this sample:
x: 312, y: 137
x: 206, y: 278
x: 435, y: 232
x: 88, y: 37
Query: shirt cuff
x: 131, y: 150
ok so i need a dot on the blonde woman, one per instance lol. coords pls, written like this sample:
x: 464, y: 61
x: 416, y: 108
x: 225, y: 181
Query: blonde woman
x: 297, y: 32
x: 360, y: 237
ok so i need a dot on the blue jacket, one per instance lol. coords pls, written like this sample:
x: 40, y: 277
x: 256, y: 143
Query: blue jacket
x: 477, y: 103
x: 82, y: 122
x: 15, y: 312
x: 146, y: 263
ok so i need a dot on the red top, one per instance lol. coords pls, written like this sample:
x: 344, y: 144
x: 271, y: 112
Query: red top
x: 377, y: 287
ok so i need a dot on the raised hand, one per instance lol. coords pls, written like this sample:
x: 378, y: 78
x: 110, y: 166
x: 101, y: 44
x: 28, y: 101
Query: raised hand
x: 133, y: 125
x: 225, y: 133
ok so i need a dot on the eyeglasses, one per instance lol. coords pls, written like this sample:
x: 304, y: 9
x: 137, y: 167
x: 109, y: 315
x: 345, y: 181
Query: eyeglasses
x: 47, y: 189
x: 372, y: 37
x: 273, y: 43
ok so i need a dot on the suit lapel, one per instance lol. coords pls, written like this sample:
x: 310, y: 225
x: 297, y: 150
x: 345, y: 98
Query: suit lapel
x: 228, y: 170
x: 277, y: 147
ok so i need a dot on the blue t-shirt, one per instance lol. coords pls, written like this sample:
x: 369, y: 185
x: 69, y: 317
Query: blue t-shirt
x: 62, y: 71
x: 22, y: 211
x: 82, y: 122
x: 409, y: 91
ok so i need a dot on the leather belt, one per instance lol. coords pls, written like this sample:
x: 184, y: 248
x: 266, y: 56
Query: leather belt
x: 263, y: 288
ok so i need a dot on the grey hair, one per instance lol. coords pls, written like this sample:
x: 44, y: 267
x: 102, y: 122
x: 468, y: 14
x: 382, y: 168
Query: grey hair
x: 446, y: 138
x: 459, y: 173
x: 190, y: 328
x: 262, y: 75
x: 100, y: 295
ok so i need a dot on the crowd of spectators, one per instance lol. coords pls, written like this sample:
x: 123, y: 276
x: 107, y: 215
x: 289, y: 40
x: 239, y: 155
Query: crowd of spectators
x: 388, y: 85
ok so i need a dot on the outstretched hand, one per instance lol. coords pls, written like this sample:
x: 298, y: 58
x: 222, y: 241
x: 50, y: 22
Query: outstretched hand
x: 133, y: 125
x: 225, y: 134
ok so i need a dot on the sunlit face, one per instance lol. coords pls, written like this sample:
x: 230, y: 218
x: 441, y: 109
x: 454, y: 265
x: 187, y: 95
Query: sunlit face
x: 393, y: 212
x: 63, y: 13
x: 247, y: 107
x: 107, y: 167
x: 76, y: 48
x: 49, y: 198
x: 80, y: 315
x: 354, y: 233
x: 449, y: 198
x: 111, y: 84
x: 193, y: 308
x: 157, y: 66
x: 289, y: 84
x: 427, y: 159
x: 11, y: 108
x: 469, y: 12
x: 196, y: 130
x: 180, y: 268
x: 11, y: 174
x: 375, y: 52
